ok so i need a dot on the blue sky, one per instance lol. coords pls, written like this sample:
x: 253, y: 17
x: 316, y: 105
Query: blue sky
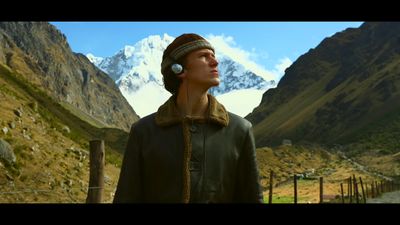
x: 268, y: 42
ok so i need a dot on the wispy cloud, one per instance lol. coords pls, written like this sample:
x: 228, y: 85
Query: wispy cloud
x: 228, y: 46
x: 282, y: 65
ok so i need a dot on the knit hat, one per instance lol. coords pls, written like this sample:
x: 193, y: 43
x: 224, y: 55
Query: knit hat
x: 182, y: 46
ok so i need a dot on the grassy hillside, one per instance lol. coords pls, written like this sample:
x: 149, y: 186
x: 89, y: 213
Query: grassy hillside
x: 51, y: 147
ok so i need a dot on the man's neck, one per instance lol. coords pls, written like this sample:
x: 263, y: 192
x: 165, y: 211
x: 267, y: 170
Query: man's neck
x: 192, y: 103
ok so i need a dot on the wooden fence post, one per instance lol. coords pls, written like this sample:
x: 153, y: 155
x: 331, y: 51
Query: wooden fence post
x: 372, y: 190
x: 362, y: 188
x: 271, y: 175
x: 350, y: 189
x: 341, y: 190
x: 295, y: 189
x: 96, y: 179
x: 321, y: 190
x: 355, y: 188
x: 385, y: 186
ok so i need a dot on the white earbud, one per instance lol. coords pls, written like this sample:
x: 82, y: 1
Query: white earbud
x: 176, y: 68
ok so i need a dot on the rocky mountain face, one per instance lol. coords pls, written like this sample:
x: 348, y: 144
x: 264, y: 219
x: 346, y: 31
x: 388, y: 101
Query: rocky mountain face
x: 346, y: 90
x: 40, y: 53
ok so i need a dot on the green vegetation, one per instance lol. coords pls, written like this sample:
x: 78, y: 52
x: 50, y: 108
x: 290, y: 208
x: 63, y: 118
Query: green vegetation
x: 114, y: 158
x: 83, y: 116
x: 283, y: 199
x: 382, y: 135
x: 8, y: 91
x: 22, y: 151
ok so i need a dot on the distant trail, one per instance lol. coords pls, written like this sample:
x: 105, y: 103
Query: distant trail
x: 362, y: 168
x: 389, y: 197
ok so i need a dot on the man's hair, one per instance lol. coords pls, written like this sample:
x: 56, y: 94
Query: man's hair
x: 176, y: 52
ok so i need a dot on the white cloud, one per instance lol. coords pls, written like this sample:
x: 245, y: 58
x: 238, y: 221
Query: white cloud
x: 241, y: 102
x: 227, y: 46
x: 282, y: 65
x: 147, y: 99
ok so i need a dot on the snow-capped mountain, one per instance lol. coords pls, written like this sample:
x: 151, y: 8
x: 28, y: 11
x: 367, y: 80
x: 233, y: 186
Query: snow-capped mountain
x: 137, y: 72
x: 234, y: 76
x: 95, y: 60
x: 134, y: 66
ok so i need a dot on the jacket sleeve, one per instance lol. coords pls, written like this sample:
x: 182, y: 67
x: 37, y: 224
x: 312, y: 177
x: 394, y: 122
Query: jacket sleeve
x: 248, y: 188
x: 129, y: 188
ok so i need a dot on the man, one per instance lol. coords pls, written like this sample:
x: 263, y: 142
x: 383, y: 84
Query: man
x: 191, y: 150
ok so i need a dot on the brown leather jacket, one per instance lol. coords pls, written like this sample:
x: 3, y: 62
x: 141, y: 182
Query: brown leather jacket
x: 173, y: 160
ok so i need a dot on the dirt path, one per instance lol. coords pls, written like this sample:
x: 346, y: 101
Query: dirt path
x: 363, y: 168
x: 389, y: 197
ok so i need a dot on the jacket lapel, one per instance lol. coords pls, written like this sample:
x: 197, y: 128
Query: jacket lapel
x: 168, y: 113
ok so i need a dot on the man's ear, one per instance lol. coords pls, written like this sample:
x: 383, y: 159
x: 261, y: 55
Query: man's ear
x: 182, y: 75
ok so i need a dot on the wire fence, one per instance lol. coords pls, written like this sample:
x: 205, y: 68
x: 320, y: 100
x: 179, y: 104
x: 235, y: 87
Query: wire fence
x: 37, y: 190
x: 350, y: 190
x: 56, y: 195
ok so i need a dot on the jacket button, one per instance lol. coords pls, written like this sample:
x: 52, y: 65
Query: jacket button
x: 193, y: 128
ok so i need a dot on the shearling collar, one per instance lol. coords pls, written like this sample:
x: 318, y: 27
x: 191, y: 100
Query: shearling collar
x: 168, y: 113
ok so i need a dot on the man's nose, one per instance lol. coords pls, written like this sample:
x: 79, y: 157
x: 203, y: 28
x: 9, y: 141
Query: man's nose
x: 214, y: 62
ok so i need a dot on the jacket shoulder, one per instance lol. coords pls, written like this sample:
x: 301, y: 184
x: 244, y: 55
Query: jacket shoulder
x: 144, y: 123
x: 238, y: 121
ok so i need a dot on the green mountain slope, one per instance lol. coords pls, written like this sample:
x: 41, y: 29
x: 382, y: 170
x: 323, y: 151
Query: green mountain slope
x: 346, y: 90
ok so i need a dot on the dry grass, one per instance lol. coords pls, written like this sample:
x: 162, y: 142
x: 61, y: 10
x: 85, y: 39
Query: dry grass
x: 388, y: 165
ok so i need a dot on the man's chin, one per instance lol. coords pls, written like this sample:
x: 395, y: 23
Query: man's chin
x: 215, y: 82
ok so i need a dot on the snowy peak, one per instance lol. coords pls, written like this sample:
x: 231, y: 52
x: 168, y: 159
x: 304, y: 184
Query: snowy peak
x: 95, y: 60
x: 128, y: 51
x: 141, y: 61
x: 154, y: 43
x: 234, y: 76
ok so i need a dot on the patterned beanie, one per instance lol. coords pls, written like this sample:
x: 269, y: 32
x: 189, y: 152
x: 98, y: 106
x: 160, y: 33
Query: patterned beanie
x: 182, y: 46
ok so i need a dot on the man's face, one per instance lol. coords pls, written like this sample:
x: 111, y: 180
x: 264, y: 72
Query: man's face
x: 201, y: 68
